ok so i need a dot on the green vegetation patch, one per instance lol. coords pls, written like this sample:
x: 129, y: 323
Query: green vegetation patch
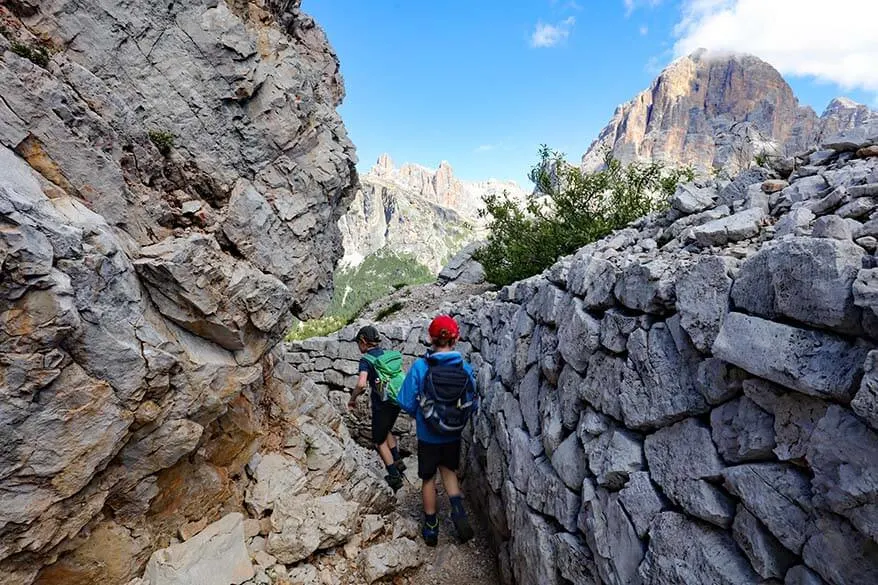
x: 164, y: 141
x: 380, y: 274
x: 571, y: 209
x: 34, y: 52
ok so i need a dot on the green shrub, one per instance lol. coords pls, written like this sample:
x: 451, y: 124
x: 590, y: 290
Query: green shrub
x: 315, y: 328
x: 164, y: 141
x: 762, y: 159
x: 571, y: 209
x: 389, y: 310
x: 34, y: 52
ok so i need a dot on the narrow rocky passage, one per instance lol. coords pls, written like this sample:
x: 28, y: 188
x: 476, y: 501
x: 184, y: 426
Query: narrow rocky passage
x: 450, y: 562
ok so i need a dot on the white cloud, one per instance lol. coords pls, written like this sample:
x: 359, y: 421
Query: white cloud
x: 485, y: 148
x: 547, y: 35
x: 644, y: 30
x: 798, y: 37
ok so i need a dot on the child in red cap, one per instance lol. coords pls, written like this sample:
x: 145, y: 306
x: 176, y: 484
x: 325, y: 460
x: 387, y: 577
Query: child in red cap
x: 440, y: 392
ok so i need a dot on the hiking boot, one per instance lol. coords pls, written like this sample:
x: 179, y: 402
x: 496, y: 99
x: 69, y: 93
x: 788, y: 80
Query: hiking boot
x: 461, y: 523
x: 394, y: 480
x: 430, y: 532
x: 400, y: 465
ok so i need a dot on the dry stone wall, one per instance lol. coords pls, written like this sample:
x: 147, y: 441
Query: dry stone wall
x: 690, y: 400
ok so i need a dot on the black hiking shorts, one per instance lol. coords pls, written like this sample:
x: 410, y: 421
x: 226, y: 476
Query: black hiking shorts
x: 384, y: 415
x: 431, y: 456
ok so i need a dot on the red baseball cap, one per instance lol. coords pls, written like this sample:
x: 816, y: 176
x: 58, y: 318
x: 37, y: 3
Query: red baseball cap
x: 444, y: 327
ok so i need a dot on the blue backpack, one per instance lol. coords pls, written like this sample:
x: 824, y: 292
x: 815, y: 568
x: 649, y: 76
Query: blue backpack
x: 445, y: 397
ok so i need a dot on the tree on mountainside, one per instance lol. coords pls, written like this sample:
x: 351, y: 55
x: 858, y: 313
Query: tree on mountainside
x: 568, y: 209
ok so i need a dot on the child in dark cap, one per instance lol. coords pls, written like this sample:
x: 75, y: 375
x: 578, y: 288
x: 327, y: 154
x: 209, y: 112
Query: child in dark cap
x: 384, y: 411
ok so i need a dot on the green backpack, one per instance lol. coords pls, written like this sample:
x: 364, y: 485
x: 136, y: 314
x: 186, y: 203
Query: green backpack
x: 388, y: 366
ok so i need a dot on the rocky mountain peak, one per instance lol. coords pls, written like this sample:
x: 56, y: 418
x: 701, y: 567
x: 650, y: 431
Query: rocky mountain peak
x: 717, y: 110
x: 430, y: 214
x: 384, y: 166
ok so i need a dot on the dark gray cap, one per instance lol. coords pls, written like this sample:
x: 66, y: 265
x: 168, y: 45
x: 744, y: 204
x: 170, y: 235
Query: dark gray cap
x: 368, y: 334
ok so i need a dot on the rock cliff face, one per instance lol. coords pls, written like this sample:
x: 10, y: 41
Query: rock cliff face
x: 716, y: 111
x: 171, y: 176
x: 690, y: 400
x: 429, y: 214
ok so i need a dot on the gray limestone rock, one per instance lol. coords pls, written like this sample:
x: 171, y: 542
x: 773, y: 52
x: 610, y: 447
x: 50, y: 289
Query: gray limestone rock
x: 795, y: 418
x: 811, y: 362
x: 840, y: 554
x: 806, y: 279
x: 690, y: 199
x: 546, y: 493
x: 734, y: 228
x: 858, y: 208
x: 603, y: 380
x: 777, y: 494
x: 832, y: 227
x: 718, y: 381
x: 768, y: 557
x: 842, y: 454
x: 736, y: 190
x: 463, y: 268
x: 304, y: 524
x: 214, y: 556
x: 686, y: 551
x: 642, y: 501
x: 196, y: 285
x: 865, y: 402
x: 533, y: 538
x: 389, y: 558
x: 521, y: 461
x: 795, y: 223
x: 830, y: 201
x: 683, y: 461
x: 529, y: 398
x: 865, y: 295
x: 648, y: 287
x: 658, y: 388
x: 703, y: 300
x: 575, y: 561
x: 610, y: 536
x: 593, y: 279
x: 742, y: 431
x: 615, y: 455
x: 615, y: 329
x: 571, y: 462
x: 570, y: 390
x: 275, y: 477
x: 802, y: 575
x: 578, y: 335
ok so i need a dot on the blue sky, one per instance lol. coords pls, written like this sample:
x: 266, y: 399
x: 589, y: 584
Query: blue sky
x: 482, y: 83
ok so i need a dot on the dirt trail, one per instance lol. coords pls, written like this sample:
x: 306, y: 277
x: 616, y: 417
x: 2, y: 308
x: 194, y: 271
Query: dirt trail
x: 450, y: 563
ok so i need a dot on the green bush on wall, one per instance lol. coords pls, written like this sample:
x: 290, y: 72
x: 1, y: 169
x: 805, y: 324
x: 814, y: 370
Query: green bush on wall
x: 569, y: 209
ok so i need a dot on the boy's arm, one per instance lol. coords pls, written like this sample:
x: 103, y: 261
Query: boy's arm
x: 362, y: 383
x: 408, y: 394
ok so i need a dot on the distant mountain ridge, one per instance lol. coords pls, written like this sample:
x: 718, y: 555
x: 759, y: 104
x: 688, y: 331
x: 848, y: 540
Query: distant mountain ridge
x: 719, y: 111
x: 429, y: 214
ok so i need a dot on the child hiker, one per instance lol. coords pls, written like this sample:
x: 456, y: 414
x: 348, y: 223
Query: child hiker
x: 384, y: 409
x: 439, y: 391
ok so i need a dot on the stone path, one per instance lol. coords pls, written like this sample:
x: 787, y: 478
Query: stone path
x: 451, y: 563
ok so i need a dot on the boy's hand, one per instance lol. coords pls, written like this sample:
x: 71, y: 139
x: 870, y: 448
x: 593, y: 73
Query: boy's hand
x: 352, y: 403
